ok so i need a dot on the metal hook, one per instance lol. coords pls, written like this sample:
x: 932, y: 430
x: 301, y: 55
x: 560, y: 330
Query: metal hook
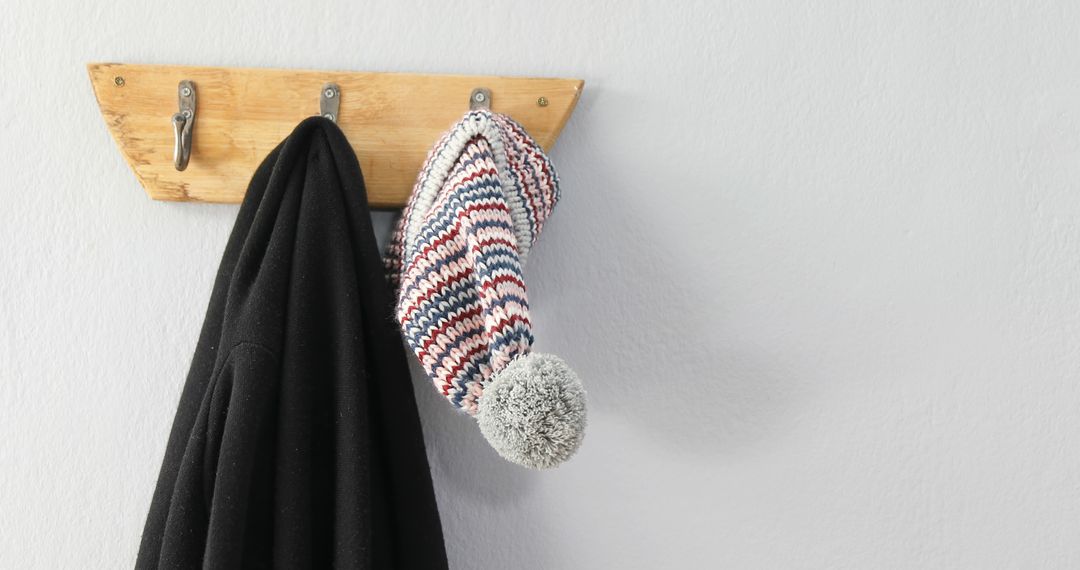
x: 480, y: 98
x: 183, y: 122
x: 330, y: 101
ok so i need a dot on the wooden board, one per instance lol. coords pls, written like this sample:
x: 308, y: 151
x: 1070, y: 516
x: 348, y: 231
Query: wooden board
x: 391, y: 119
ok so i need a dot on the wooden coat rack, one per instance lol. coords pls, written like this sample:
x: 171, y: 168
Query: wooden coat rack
x: 232, y: 118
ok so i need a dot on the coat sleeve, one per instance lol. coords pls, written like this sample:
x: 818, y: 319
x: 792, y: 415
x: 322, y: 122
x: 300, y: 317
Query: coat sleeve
x: 230, y: 443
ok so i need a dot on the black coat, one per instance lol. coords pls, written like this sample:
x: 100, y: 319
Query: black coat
x: 297, y: 443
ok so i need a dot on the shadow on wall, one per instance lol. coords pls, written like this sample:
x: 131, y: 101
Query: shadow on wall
x: 476, y: 489
x: 626, y: 285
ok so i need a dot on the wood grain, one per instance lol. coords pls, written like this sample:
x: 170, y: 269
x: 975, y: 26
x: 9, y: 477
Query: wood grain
x: 391, y: 119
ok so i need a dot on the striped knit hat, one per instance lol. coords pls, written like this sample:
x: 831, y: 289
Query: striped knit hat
x: 478, y: 205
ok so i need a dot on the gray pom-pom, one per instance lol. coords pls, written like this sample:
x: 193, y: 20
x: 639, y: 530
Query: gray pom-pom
x: 533, y: 411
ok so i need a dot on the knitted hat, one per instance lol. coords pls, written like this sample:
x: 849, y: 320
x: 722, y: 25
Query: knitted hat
x: 456, y: 257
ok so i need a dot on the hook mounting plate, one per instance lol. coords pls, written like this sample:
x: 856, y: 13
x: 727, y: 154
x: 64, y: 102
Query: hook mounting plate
x: 330, y: 101
x: 480, y: 98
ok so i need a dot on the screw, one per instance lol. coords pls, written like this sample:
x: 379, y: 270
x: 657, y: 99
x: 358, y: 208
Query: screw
x: 329, y: 116
x: 542, y: 101
x: 479, y: 97
x: 119, y: 81
x: 187, y: 113
x: 186, y: 92
x: 329, y: 93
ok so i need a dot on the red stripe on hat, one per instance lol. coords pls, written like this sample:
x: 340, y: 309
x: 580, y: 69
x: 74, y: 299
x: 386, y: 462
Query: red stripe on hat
x: 469, y: 314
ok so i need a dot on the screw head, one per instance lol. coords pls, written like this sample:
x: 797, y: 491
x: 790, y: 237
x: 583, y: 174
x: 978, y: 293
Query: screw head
x: 186, y: 91
x: 329, y: 116
x: 542, y: 101
x: 329, y: 93
x: 187, y: 113
x: 479, y: 97
x: 119, y: 81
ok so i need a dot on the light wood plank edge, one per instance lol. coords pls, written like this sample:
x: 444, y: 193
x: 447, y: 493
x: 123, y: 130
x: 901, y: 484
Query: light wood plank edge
x: 102, y: 75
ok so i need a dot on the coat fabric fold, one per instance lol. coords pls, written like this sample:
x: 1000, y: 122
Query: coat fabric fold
x: 297, y: 443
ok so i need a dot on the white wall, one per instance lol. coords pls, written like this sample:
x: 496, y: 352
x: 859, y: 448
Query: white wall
x: 818, y: 263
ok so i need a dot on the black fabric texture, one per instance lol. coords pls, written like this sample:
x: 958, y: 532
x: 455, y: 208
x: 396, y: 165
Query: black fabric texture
x: 297, y: 442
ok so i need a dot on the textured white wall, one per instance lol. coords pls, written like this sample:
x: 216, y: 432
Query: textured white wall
x: 818, y: 263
